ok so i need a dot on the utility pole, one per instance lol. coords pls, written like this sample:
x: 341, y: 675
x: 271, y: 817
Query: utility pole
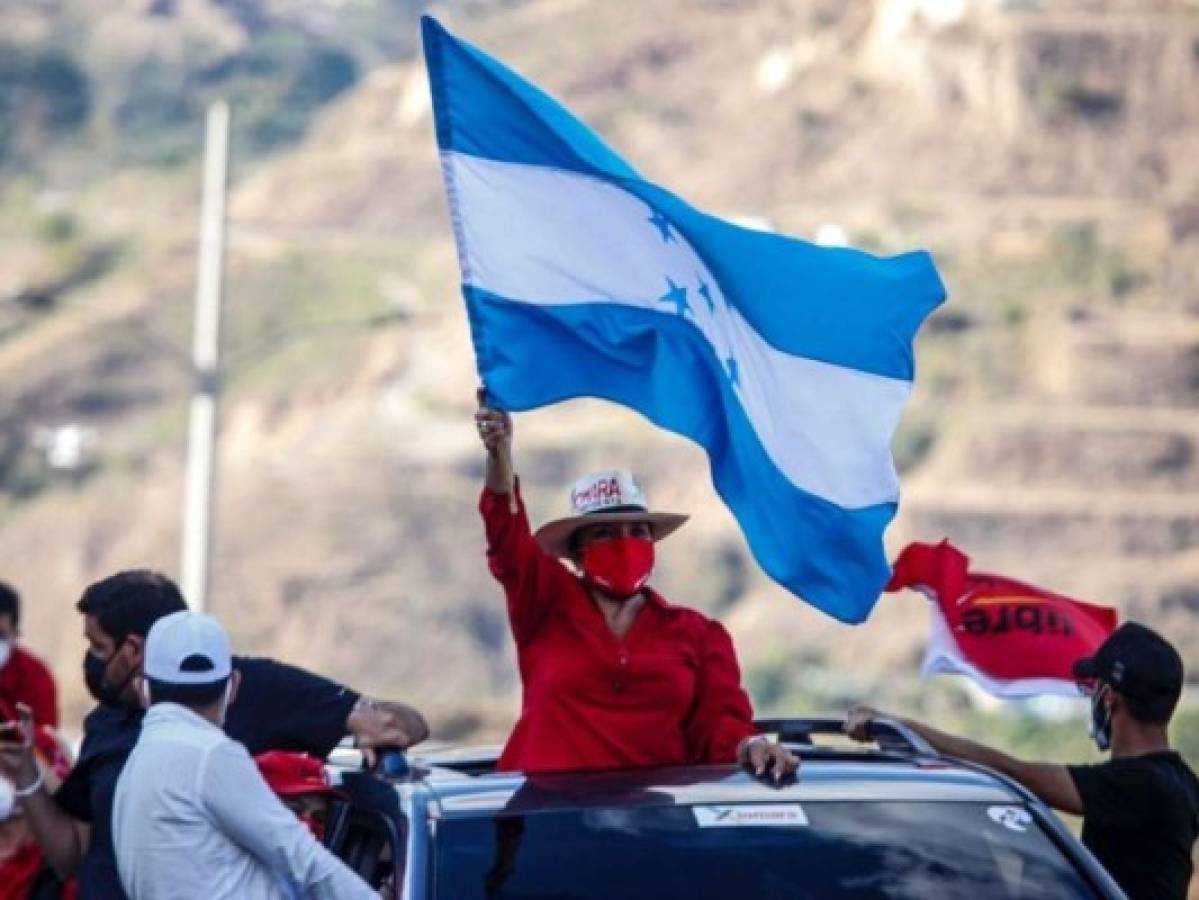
x: 202, y: 426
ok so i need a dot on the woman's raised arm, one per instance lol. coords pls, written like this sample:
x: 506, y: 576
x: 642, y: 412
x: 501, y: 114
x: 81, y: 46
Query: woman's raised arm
x: 532, y: 579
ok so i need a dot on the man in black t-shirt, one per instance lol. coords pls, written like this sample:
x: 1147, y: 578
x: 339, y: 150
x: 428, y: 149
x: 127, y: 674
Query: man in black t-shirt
x: 278, y: 707
x: 1140, y: 809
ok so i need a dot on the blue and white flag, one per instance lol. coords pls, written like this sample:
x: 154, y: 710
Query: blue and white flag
x: 789, y: 363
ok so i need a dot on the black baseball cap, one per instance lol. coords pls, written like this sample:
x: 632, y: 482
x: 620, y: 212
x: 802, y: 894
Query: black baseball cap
x: 1140, y: 664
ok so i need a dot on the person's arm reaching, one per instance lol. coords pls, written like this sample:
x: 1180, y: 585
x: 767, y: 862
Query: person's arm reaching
x: 311, y: 713
x: 1049, y: 781
x: 245, y: 810
x: 62, y: 837
x: 495, y: 431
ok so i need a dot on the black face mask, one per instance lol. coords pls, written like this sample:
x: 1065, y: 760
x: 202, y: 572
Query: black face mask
x: 98, y: 686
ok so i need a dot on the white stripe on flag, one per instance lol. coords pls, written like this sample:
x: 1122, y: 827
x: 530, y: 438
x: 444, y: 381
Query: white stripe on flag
x: 556, y: 238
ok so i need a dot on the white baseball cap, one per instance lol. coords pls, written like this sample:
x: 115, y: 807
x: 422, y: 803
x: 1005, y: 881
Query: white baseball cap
x: 188, y: 648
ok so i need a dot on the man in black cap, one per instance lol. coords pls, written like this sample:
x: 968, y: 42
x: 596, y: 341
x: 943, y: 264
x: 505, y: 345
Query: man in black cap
x: 1140, y: 809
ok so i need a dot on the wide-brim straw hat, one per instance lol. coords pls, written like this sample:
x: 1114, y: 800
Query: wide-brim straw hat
x: 611, y: 496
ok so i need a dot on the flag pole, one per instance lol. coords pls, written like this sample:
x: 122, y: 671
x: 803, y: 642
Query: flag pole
x: 202, y: 425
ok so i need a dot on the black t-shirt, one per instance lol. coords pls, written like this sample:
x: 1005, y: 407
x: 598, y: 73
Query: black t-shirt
x: 1140, y: 819
x: 278, y: 707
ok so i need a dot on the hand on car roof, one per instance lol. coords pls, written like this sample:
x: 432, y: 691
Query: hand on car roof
x: 381, y: 723
x: 767, y: 758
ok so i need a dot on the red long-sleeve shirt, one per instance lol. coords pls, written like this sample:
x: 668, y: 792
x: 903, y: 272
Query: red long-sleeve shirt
x: 668, y: 693
x: 25, y: 679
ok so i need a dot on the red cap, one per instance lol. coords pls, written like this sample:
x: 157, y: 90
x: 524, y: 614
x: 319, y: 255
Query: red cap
x: 288, y: 774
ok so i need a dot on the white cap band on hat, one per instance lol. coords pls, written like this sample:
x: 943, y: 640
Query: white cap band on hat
x: 614, y: 489
x: 188, y: 648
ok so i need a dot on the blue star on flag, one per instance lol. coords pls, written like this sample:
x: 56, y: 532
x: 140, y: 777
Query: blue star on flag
x: 660, y: 222
x: 676, y: 295
x: 706, y: 293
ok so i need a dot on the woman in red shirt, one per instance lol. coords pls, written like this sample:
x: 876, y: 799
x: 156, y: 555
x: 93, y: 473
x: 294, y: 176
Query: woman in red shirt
x: 614, y: 676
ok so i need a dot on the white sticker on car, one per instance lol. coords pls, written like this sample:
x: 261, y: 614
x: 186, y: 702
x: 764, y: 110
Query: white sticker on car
x: 1013, y: 818
x: 751, y: 815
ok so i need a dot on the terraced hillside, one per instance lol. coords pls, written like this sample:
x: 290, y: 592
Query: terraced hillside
x: 1044, y: 151
x: 1090, y: 477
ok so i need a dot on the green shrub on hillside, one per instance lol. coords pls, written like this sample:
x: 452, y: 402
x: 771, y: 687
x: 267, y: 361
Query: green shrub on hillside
x: 158, y: 114
x: 57, y: 228
x: 1062, y: 99
x: 1184, y: 733
x: 276, y: 85
x: 768, y: 683
x: 152, y: 104
x: 44, y: 96
x: 21, y: 474
x: 913, y: 442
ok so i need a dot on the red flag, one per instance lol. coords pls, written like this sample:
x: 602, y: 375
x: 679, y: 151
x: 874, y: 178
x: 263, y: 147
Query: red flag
x: 1012, y: 638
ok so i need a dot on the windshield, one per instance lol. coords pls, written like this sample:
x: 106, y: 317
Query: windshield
x: 864, y: 850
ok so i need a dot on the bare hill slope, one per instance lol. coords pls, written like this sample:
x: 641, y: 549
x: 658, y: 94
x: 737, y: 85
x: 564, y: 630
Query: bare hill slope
x: 1043, y: 151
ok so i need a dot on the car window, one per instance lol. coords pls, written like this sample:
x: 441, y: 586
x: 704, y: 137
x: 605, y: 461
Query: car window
x: 368, y: 830
x: 862, y: 851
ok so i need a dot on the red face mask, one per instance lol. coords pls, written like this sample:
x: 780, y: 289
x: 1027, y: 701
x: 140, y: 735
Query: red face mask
x: 619, y: 567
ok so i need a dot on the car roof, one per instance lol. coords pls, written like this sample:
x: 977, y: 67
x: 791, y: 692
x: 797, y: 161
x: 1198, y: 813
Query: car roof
x: 462, y: 782
x: 452, y: 794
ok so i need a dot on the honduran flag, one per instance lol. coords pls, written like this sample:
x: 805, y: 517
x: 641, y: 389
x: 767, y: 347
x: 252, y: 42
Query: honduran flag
x: 1011, y: 638
x: 789, y: 363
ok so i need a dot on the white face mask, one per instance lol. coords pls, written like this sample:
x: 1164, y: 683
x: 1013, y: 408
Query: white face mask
x: 8, y: 799
x: 1100, y: 727
x: 6, y: 648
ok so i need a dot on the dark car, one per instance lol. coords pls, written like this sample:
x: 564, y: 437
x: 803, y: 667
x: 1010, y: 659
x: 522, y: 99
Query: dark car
x: 898, y: 821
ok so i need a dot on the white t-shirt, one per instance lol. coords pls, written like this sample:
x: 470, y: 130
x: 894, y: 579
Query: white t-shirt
x: 194, y: 820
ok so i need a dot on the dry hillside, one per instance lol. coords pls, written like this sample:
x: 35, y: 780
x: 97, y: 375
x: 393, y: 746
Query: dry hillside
x: 1044, y: 151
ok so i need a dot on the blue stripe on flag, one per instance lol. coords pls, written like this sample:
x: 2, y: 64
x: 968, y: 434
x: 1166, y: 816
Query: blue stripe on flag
x: 484, y: 109
x: 836, y: 305
x: 661, y: 366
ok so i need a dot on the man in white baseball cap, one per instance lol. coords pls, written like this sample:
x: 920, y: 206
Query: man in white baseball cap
x: 192, y: 817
